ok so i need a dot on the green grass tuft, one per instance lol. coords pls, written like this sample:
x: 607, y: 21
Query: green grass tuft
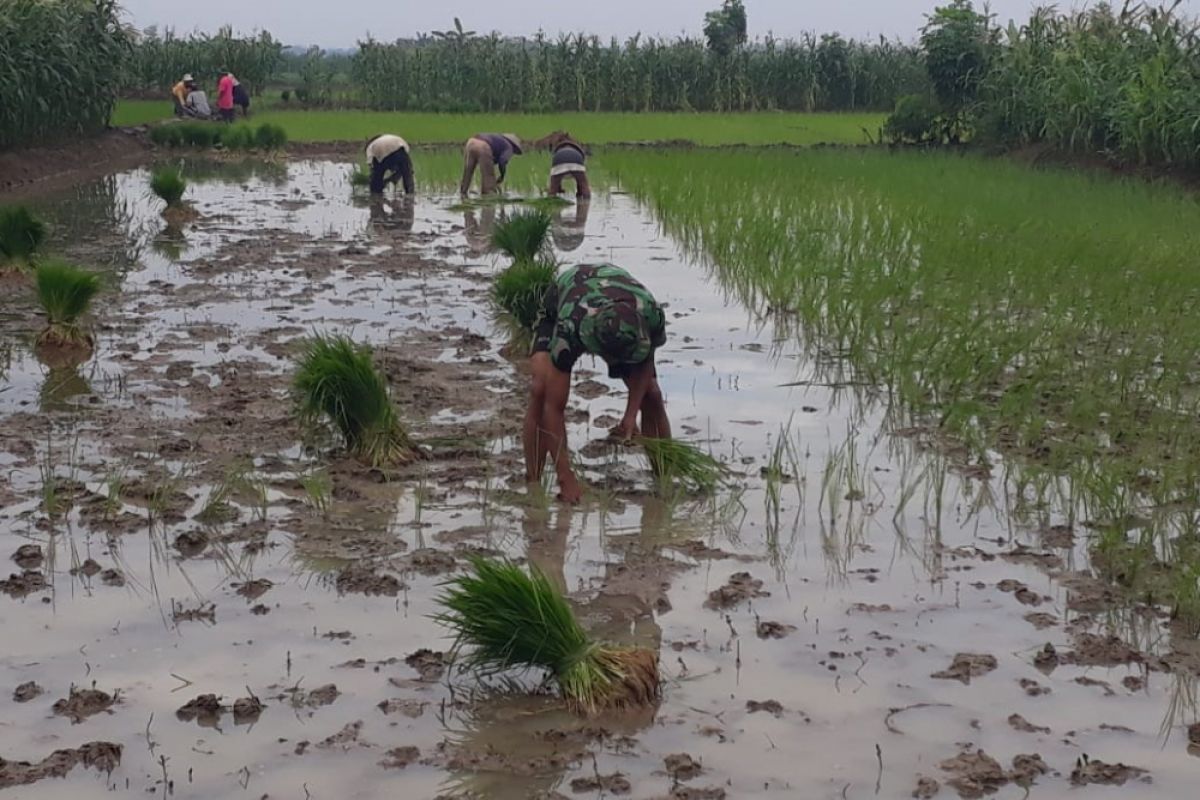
x: 523, y: 236
x: 168, y: 184
x: 21, y: 234
x: 65, y: 293
x: 337, y: 382
x: 270, y: 137
x: 508, y: 618
x: 675, y: 461
x: 521, y: 290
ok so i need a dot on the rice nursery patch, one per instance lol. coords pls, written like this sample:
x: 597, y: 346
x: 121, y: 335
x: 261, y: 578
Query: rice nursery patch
x: 1049, y: 314
x: 242, y: 136
x: 337, y: 383
x: 506, y: 618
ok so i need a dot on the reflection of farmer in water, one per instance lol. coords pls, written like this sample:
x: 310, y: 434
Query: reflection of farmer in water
x: 397, y: 215
x: 601, y: 310
x: 478, y: 229
x: 568, y: 234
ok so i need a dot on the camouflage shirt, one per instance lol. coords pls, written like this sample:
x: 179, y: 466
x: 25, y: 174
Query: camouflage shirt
x: 600, y: 309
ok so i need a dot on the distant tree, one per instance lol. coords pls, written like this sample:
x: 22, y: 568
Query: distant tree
x: 456, y: 34
x: 725, y: 28
x: 957, y: 43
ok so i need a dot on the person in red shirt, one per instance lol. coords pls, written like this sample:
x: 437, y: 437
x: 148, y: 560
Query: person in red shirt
x: 225, y: 96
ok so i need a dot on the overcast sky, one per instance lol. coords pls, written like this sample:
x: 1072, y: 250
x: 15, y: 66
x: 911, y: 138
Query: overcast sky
x: 340, y: 23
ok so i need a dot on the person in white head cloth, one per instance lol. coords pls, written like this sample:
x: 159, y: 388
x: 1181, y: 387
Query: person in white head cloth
x: 391, y: 161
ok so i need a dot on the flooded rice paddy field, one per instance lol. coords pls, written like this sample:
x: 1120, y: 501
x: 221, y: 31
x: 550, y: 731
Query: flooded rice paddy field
x: 203, y: 604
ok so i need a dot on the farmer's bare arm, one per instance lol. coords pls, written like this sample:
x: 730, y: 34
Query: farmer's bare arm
x: 639, y: 381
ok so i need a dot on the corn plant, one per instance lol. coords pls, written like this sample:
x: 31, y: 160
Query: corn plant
x: 158, y: 59
x: 508, y: 619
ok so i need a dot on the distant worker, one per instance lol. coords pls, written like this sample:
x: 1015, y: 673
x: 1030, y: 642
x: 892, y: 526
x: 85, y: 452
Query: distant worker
x: 602, y: 310
x: 241, y: 98
x: 225, y: 96
x: 196, y: 104
x: 568, y: 159
x: 391, y: 161
x: 179, y: 93
x: 485, y: 151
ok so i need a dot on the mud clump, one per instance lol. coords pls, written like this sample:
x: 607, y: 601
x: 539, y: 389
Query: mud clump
x: 428, y: 664
x: 773, y: 630
x: 682, y: 767
x: 191, y: 543
x: 1026, y: 769
x: 1019, y: 723
x: 205, y: 709
x: 87, y: 569
x: 104, y: 756
x: 400, y: 758
x: 25, y: 584
x: 742, y: 587
x: 1102, y: 651
x: 413, y: 709
x: 1047, y: 659
x: 772, y: 707
x: 83, y: 703
x: 1041, y: 620
x: 28, y: 556
x: 1088, y: 772
x: 616, y: 784
x: 700, y: 551
x: 966, y: 666
x: 344, y: 739
x: 360, y: 580
x: 205, y: 612
x: 247, y: 710
x: 926, y: 788
x: 323, y: 696
x: 1193, y: 734
x: 430, y: 562
x: 26, y: 692
x: 252, y: 590
x: 975, y: 774
x: 113, y: 577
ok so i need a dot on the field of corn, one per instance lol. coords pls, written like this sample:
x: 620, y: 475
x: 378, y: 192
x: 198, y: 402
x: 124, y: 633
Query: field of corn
x: 927, y: 525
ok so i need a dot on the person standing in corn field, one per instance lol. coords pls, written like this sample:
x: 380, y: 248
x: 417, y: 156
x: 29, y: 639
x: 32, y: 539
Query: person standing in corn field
x: 568, y: 159
x: 391, y: 161
x: 488, y: 152
x: 225, y: 96
x: 600, y: 310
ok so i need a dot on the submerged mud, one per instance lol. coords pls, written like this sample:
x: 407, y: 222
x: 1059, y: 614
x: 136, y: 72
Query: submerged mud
x: 240, y: 608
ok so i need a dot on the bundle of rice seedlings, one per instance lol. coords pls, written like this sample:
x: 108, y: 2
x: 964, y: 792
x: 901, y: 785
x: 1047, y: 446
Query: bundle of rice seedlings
x: 238, y: 137
x: 507, y: 619
x: 673, y: 460
x: 522, y: 237
x: 169, y: 185
x: 336, y: 381
x: 65, y: 293
x: 521, y: 290
x: 21, y: 234
x: 360, y: 176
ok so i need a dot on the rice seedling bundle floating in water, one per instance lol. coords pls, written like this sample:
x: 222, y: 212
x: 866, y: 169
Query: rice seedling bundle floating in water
x: 168, y: 184
x: 673, y: 460
x: 506, y: 618
x: 337, y: 382
x: 523, y: 236
x: 521, y: 290
x: 21, y: 234
x: 65, y: 293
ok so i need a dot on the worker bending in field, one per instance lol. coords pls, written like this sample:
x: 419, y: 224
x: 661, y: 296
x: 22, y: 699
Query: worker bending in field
x: 488, y: 152
x: 567, y: 160
x: 597, y: 309
x: 390, y: 161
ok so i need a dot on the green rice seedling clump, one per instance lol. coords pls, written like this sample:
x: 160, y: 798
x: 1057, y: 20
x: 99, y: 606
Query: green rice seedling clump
x: 523, y: 237
x: 676, y: 461
x: 21, y: 234
x: 270, y: 137
x: 360, y: 176
x: 167, y: 135
x: 506, y: 618
x: 337, y: 382
x: 65, y: 293
x: 521, y: 290
x: 168, y: 184
x: 238, y: 137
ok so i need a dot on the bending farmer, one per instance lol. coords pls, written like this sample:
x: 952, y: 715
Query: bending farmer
x: 180, y: 91
x: 568, y: 160
x: 483, y: 151
x: 598, y: 309
x: 390, y: 161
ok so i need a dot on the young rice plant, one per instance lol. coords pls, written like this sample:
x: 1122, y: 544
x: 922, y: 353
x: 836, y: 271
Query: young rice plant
x: 337, y: 382
x: 521, y: 290
x: 21, y: 234
x: 168, y: 184
x: 508, y: 618
x: 523, y: 237
x: 65, y: 293
x: 673, y: 460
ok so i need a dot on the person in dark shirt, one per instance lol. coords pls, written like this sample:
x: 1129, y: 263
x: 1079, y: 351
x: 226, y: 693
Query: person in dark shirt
x: 391, y: 161
x: 488, y: 152
x: 602, y: 310
x: 568, y: 159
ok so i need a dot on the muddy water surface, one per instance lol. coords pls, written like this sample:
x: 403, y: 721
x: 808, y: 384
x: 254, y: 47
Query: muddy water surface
x: 856, y: 610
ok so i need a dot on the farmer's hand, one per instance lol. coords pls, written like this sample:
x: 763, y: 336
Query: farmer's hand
x: 570, y: 491
x: 623, y: 432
